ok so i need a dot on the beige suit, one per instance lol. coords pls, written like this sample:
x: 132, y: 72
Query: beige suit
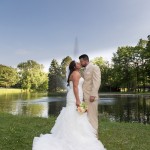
x: 92, y: 81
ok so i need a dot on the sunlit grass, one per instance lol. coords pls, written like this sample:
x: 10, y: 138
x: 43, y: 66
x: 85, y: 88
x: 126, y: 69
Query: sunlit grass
x: 9, y: 91
x: 123, y: 136
x: 17, y: 133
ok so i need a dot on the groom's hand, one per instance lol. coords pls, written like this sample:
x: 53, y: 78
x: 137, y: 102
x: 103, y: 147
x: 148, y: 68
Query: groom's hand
x: 92, y: 98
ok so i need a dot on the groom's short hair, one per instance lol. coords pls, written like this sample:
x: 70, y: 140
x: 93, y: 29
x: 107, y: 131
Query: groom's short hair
x: 84, y: 56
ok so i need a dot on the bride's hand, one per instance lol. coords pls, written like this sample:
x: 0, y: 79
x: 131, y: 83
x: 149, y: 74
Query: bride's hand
x: 77, y: 103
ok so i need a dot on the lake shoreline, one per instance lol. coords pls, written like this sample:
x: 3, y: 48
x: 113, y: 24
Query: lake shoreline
x: 10, y: 91
x: 116, y: 94
x: 15, y: 90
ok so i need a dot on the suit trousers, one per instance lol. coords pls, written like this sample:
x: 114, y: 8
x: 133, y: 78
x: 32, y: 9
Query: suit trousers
x: 93, y: 113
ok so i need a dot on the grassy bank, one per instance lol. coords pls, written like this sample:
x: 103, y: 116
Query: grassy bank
x: 17, y: 133
x: 17, y: 91
x: 63, y: 93
x: 57, y: 93
x: 8, y: 91
x: 102, y: 93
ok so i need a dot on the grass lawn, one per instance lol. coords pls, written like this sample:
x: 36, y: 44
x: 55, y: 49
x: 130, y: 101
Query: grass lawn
x: 9, y: 90
x: 17, y: 133
x: 125, y: 136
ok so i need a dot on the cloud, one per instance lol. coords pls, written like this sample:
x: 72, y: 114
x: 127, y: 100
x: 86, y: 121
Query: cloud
x: 23, y: 52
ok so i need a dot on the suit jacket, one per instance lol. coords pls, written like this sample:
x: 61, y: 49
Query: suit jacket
x: 92, y: 81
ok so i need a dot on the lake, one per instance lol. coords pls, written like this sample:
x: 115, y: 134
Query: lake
x: 127, y: 108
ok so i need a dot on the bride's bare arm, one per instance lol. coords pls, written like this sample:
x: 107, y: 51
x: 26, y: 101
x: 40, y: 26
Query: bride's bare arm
x: 75, y: 78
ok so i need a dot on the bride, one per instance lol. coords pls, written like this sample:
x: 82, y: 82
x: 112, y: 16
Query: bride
x: 72, y: 130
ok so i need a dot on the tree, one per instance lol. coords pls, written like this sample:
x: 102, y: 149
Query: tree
x: 8, y: 76
x: 32, y: 75
x: 147, y: 60
x: 122, y: 67
x: 55, y: 81
x: 105, y: 73
x: 130, y: 66
x: 139, y: 63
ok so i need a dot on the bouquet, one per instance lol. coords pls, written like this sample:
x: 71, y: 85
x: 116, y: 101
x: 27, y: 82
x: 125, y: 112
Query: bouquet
x: 82, y: 108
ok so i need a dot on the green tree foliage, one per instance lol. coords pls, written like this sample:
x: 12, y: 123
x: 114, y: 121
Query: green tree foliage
x: 55, y: 80
x: 147, y: 57
x: 139, y: 61
x: 122, y: 67
x: 130, y: 67
x: 32, y: 76
x: 105, y: 73
x: 8, y: 76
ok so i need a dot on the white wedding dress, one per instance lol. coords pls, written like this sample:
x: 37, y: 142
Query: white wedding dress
x: 72, y: 130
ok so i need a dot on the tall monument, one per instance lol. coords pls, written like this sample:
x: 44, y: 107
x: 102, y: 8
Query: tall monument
x: 76, y: 49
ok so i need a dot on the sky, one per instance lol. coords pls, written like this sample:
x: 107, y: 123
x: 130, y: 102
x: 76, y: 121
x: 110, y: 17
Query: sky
x: 43, y: 30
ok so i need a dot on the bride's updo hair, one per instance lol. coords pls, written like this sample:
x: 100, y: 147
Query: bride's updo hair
x: 72, y: 67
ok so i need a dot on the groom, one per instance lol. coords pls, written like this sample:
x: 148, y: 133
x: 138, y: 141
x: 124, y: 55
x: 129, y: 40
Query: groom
x: 92, y: 81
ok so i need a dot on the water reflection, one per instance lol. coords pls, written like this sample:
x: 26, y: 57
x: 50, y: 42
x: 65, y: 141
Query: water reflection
x: 127, y: 108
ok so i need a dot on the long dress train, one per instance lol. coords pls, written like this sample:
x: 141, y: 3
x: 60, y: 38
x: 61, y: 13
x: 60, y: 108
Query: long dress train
x: 72, y: 130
